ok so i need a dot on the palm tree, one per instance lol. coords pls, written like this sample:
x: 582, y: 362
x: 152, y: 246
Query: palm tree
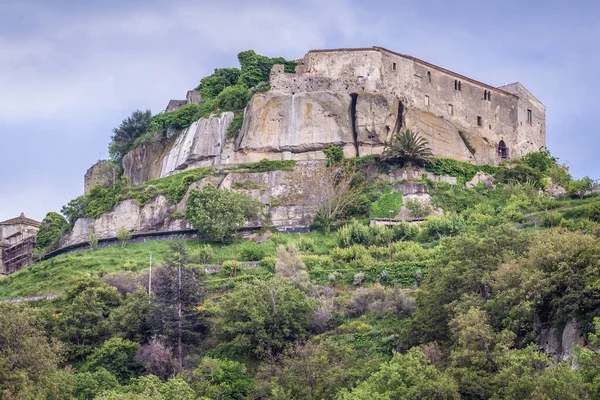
x: 408, y: 147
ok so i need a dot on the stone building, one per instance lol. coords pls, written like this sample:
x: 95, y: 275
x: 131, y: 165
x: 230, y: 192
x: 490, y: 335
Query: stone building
x: 17, y: 242
x: 192, y: 97
x: 356, y: 99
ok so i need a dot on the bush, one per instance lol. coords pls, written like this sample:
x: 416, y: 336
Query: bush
x: 269, y: 262
x: 520, y: 173
x: 203, y: 255
x: 358, y: 279
x: 333, y: 155
x: 443, y: 225
x: 353, y: 233
x: 305, y: 244
x: 233, y: 98
x: 551, y: 219
x: 265, y: 165
x: 405, y: 231
x: 117, y: 357
x: 125, y: 135
x: 252, y: 251
x: 52, y: 227
x: 462, y: 170
x: 317, y: 263
x: 382, y: 301
x: 418, y: 209
x: 230, y: 266
x: 391, y: 201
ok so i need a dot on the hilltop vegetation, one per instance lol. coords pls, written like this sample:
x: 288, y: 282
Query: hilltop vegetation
x: 449, y: 308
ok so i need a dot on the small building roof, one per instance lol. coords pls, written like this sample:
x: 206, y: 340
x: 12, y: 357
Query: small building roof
x: 21, y: 220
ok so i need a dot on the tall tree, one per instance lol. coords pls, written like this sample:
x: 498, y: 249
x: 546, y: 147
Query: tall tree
x: 178, y: 294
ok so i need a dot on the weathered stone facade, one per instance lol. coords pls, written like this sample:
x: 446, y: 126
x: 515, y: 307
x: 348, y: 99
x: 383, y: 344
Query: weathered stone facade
x: 192, y: 97
x: 17, y: 242
x: 103, y: 173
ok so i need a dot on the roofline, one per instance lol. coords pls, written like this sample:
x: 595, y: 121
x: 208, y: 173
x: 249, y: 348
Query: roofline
x: 415, y: 59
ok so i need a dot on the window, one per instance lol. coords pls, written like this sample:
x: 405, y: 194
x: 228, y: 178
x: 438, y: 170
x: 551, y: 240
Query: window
x: 427, y: 100
x: 502, y: 150
x: 450, y: 109
x: 394, y: 66
x: 487, y: 95
x: 429, y: 76
x: 479, y: 121
x: 529, y: 116
x: 457, y: 85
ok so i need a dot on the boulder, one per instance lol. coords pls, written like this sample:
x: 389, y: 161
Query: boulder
x: 481, y: 177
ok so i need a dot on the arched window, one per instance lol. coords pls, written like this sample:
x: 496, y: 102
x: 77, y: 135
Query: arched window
x: 456, y: 84
x: 459, y: 86
x: 502, y: 150
x: 489, y: 96
x: 429, y: 76
x: 485, y: 94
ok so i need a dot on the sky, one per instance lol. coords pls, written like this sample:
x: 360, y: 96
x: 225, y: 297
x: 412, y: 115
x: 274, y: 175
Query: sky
x: 72, y: 70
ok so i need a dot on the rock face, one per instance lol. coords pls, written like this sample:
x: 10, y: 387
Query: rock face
x: 357, y: 99
x: 157, y: 215
x: 481, y: 177
x: 102, y: 173
x: 282, y: 126
x: 561, y: 344
x: 201, y: 144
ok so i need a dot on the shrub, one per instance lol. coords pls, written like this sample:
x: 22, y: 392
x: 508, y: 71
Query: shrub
x: 203, y: 255
x: 334, y: 155
x: 405, y: 231
x: 462, y: 170
x: 252, y: 251
x: 279, y: 238
x: 233, y: 98
x: 443, y: 225
x: 265, y: 165
x: 418, y: 209
x: 520, y: 173
x: 123, y: 236
x: 317, y: 263
x: 383, y: 301
x: 269, y: 262
x: 391, y: 201
x: 358, y: 279
x: 305, y: 244
x: 52, y: 227
x: 231, y: 267
x: 353, y: 233
x: 551, y: 219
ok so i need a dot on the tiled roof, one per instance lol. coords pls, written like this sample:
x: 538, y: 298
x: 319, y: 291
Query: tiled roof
x: 20, y: 220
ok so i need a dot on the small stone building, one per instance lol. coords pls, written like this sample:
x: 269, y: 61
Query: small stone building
x: 192, y: 97
x: 17, y: 242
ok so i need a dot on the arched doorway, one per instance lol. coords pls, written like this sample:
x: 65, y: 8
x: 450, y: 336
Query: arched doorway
x: 502, y: 150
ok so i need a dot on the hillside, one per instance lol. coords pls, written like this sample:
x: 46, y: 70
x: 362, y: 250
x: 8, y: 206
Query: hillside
x: 490, y: 299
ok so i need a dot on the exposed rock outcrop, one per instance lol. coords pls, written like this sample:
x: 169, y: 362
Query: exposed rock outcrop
x: 481, y: 177
x: 561, y: 344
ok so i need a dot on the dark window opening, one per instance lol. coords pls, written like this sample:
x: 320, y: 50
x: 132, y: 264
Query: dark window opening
x: 489, y: 96
x: 455, y: 84
x: 429, y: 76
x: 485, y: 94
x: 450, y: 109
x: 393, y: 66
x: 459, y: 86
x: 479, y: 121
x: 502, y: 150
x: 529, y: 116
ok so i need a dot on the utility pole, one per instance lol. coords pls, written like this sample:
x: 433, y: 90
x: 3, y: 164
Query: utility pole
x: 179, y: 313
x: 150, y: 275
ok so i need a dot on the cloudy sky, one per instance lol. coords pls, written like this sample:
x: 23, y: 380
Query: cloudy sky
x: 71, y: 70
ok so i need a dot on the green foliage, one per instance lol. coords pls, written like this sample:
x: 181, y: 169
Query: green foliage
x: 252, y: 251
x: 203, y: 254
x: 391, y: 201
x: 265, y: 165
x: 264, y: 317
x: 540, y: 160
x: 220, y: 379
x: 442, y: 225
x: 52, y: 227
x: 257, y: 68
x: 222, y: 78
x: 123, y: 236
x: 126, y: 133
x: 151, y: 387
x: 219, y: 213
x: 334, y: 155
x: 318, y: 263
x: 236, y: 125
x: 520, y: 173
x: 28, y: 359
x: 91, y: 384
x: 417, y: 208
x: 462, y: 170
x: 92, y: 240
x: 99, y: 201
x: 233, y: 98
x: 116, y: 356
x: 579, y: 187
x: 305, y: 244
x: 408, y: 376
x: 408, y: 147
